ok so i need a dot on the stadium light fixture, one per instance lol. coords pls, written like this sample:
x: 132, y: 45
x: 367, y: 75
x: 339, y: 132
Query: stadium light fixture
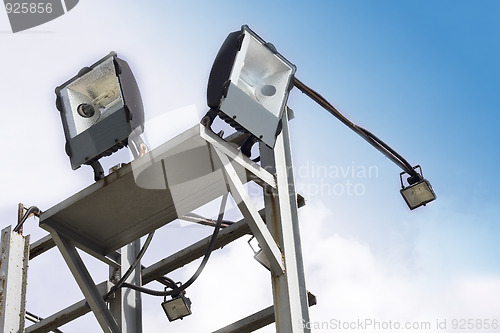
x: 249, y: 85
x: 100, y: 107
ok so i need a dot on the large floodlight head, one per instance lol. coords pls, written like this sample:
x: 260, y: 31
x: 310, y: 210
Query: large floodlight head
x: 249, y: 85
x: 99, y: 108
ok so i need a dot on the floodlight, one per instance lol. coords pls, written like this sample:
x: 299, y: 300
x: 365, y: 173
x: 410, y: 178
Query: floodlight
x: 259, y: 255
x: 419, y: 192
x: 100, y: 107
x: 249, y: 85
x: 177, y: 308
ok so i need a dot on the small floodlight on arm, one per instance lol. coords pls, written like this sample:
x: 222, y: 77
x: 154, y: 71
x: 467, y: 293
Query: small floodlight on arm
x: 249, y: 85
x: 100, y: 107
x: 419, y: 192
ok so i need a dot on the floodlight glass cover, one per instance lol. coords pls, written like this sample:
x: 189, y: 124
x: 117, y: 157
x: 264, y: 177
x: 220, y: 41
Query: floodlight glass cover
x: 177, y: 307
x: 249, y: 84
x: 261, y: 257
x: 418, y: 194
x: 99, y: 108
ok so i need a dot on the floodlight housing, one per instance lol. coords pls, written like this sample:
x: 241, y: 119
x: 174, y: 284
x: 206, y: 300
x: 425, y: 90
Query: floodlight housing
x: 419, y: 192
x: 177, y: 308
x: 99, y: 109
x: 259, y: 255
x: 249, y: 85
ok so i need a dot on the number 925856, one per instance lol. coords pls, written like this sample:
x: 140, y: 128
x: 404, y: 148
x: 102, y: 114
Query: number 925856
x: 28, y: 8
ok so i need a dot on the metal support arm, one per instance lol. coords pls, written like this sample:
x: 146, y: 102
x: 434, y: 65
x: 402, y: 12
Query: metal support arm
x: 252, y: 217
x: 86, y: 284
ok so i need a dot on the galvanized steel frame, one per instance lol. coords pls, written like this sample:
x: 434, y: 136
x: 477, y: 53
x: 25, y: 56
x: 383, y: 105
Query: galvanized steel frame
x: 275, y: 227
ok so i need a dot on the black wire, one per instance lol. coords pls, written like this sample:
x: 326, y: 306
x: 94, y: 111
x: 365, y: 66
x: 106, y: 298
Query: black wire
x: 386, y: 146
x: 176, y: 291
x: 131, y: 268
x: 146, y: 290
x: 32, y: 210
x: 210, y: 248
x: 165, y: 280
x: 365, y: 134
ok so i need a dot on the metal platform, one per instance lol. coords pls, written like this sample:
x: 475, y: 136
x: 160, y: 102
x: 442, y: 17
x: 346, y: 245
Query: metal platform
x: 151, y: 191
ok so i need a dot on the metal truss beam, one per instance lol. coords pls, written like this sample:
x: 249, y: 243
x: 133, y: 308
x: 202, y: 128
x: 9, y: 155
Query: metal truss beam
x: 193, y: 252
x: 260, y: 175
x: 257, y: 320
x: 67, y: 315
x: 252, y: 217
x: 40, y: 246
x: 86, y: 284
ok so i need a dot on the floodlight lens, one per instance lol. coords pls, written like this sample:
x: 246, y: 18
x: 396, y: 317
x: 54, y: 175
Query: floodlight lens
x: 86, y: 110
x: 249, y: 85
x: 418, y: 194
x: 261, y: 73
x: 177, y: 308
x: 99, y: 89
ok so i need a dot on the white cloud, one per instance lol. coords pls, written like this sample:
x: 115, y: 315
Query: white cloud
x: 351, y: 283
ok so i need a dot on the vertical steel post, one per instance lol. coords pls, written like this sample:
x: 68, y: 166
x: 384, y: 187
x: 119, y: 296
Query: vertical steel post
x: 289, y: 290
x: 13, y: 279
x: 126, y: 306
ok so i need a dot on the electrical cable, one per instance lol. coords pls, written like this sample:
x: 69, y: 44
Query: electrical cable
x: 125, y: 276
x: 365, y: 134
x: 210, y: 248
x: 32, y: 210
x: 176, y: 291
x: 165, y: 280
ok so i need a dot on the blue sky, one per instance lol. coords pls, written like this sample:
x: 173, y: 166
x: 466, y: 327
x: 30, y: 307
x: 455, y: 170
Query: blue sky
x: 423, y: 76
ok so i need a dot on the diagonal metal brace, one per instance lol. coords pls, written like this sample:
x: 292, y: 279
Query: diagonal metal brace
x: 252, y: 216
x: 86, y: 284
x: 257, y: 173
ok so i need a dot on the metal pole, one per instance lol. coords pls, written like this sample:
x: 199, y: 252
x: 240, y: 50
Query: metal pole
x: 289, y: 290
x: 126, y: 305
x: 13, y: 279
